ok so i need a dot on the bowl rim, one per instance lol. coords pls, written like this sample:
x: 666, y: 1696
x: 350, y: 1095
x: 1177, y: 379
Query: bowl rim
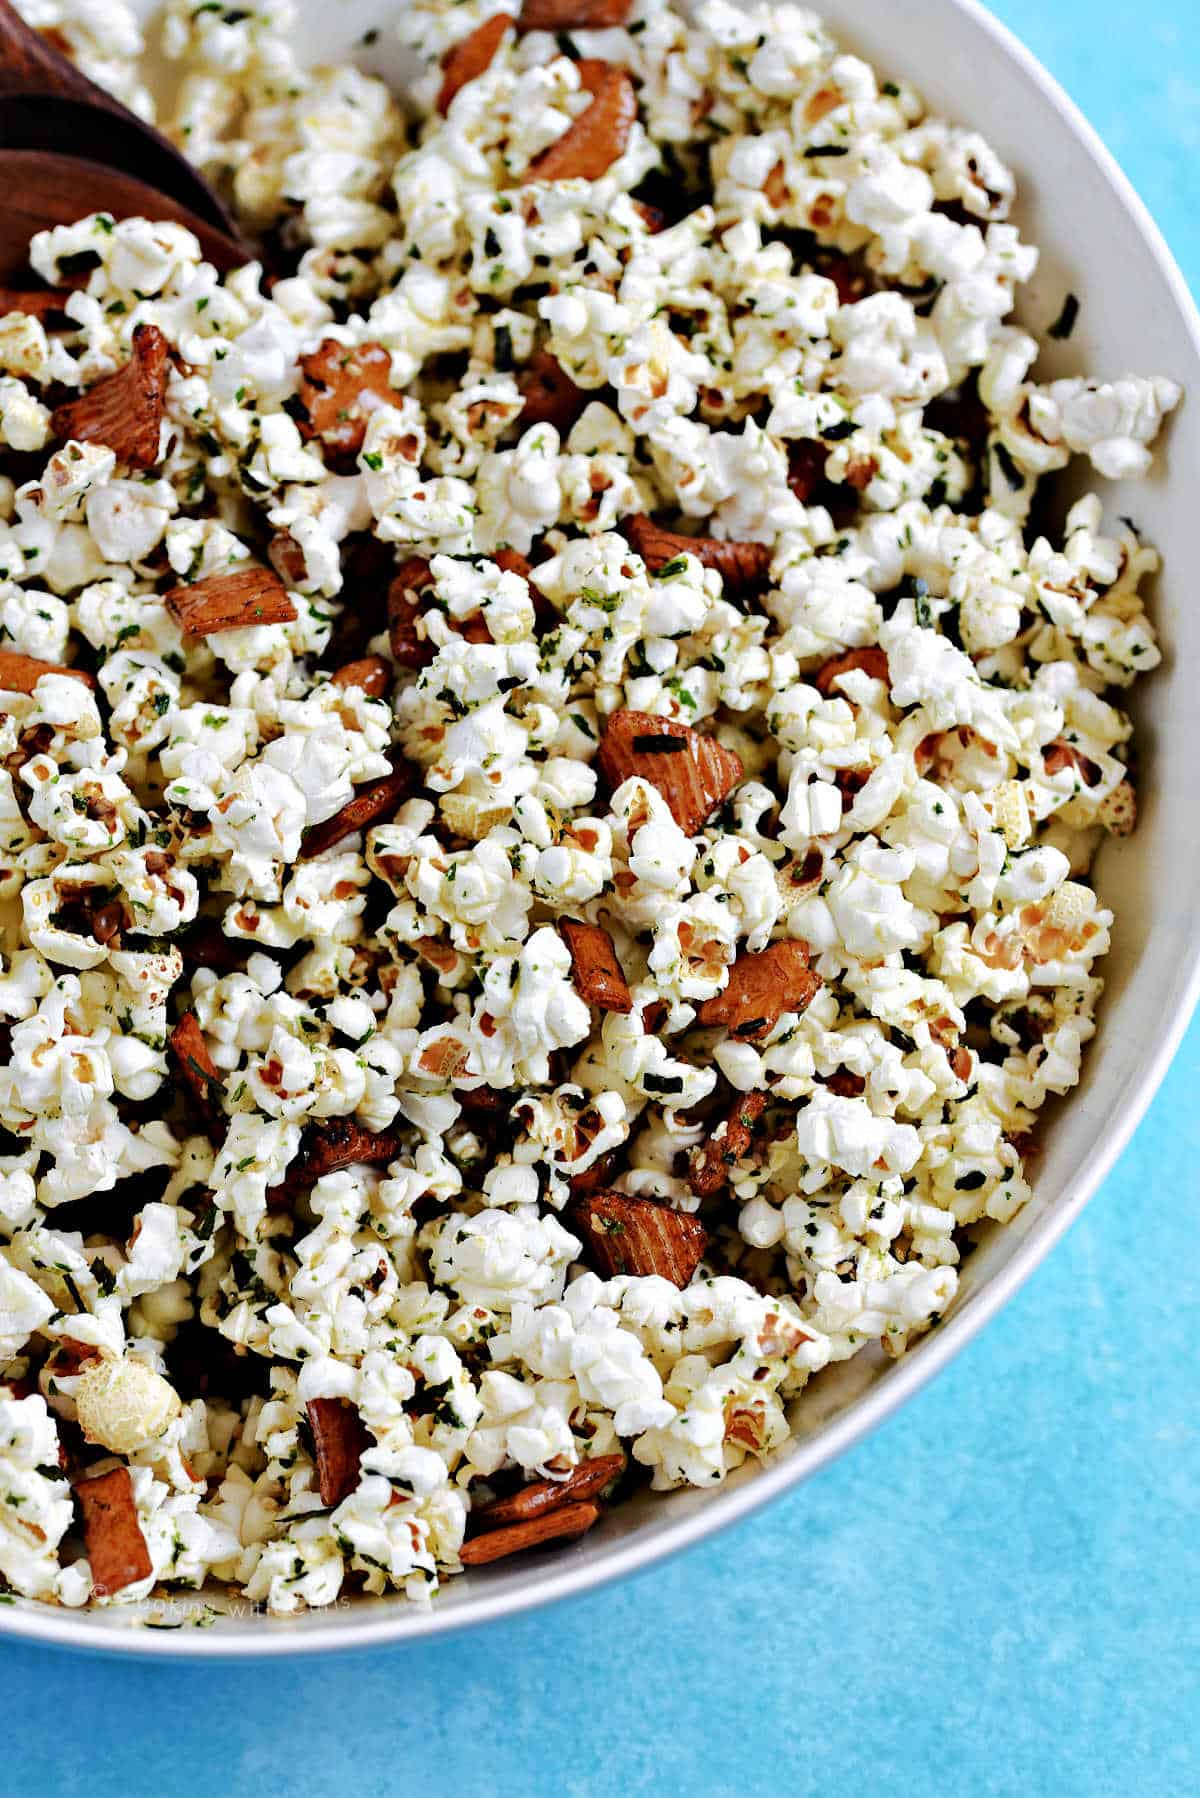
x: 642, y: 1549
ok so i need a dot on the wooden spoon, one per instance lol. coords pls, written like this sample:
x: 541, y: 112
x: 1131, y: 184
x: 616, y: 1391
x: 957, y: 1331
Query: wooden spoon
x: 47, y: 105
x: 39, y: 190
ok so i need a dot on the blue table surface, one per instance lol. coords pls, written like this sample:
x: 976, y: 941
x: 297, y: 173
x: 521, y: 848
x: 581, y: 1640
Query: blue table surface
x: 995, y: 1595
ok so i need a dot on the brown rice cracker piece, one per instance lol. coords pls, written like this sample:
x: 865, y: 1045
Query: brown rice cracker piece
x: 572, y: 15
x: 845, y: 1083
x: 377, y: 800
x: 638, y: 1236
x: 470, y: 57
x: 592, y: 142
x: 409, y: 647
x: 125, y: 410
x: 21, y: 674
x: 872, y: 661
x: 596, y: 1177
x: 205, y: 945
x: 116, y: 1548
x: 695, y: 774
x: 1059, y: 755
x: 371, y: 673
x: 236, y: 601
x: 513, y: 562
x: 597, y: 973
x: 540, y: 1496
x: 551, y: 396
x: 741, y: 566
x: 761, y: 987
x: 339, y: 1439
x: 325, y: 1148
x: 337, y: 379
x: 806, y: 467
x: 552, y: 1526
x: 287, y: 559
x: 196, y: 1066
x: 729, y: 1143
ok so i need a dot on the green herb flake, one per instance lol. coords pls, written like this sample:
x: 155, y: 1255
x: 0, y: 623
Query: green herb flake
x: 1064, y: 324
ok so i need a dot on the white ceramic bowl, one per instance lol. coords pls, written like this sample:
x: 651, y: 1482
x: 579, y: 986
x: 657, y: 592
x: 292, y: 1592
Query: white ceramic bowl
x: 1136, y: 315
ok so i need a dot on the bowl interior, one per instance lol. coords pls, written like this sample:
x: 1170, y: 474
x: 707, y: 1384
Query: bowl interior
x: 1135, y: 316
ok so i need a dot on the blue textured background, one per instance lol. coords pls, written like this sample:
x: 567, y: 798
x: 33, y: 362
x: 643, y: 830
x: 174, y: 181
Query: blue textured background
x: 994, y: 1597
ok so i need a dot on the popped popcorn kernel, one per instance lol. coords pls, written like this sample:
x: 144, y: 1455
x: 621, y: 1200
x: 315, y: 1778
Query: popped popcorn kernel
x: 123, y: 1405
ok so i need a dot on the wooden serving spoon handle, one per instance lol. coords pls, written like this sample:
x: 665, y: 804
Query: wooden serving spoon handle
x: 39, y: 189
x: 46, y: 104
x: 29, y: 64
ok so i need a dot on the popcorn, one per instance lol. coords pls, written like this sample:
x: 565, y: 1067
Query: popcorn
x: 500, y: 1258
x: 24, y: 420
x: 24, y: 1307
x: 36, y: 1511
x: 720, y: 483
x: 844, y: 1133
x: 123, y: 1404
x: 1112, y: 422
